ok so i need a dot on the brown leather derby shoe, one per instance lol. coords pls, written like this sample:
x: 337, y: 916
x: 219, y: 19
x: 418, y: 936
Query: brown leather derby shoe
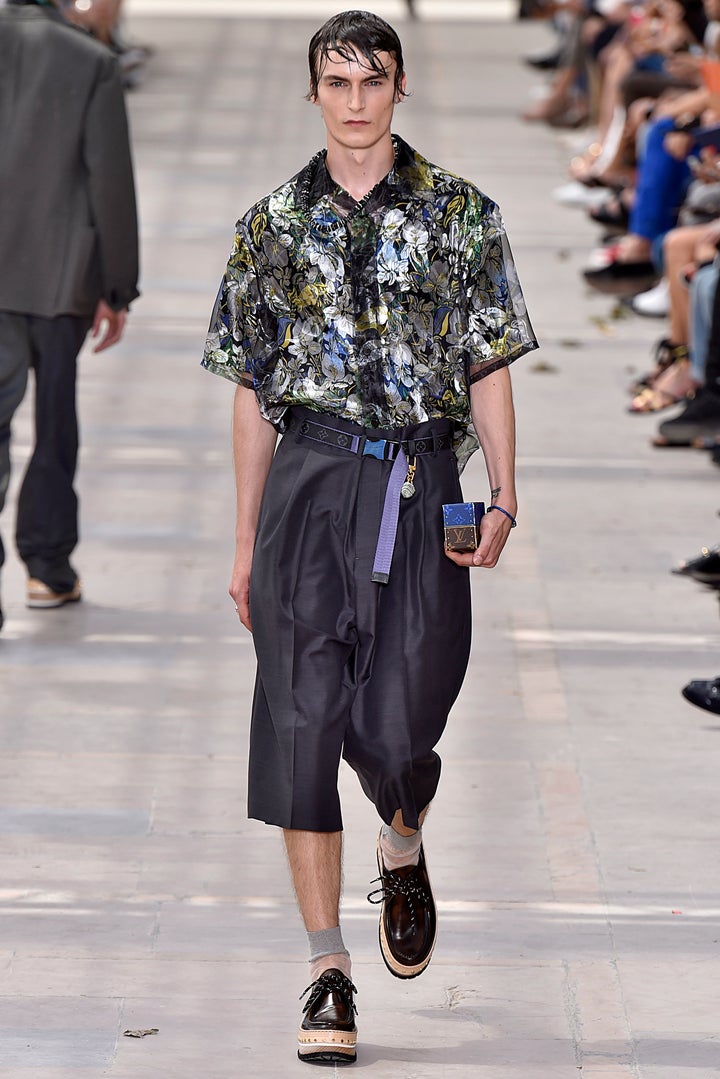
x: 408, y: 919
x: 328, y: 1034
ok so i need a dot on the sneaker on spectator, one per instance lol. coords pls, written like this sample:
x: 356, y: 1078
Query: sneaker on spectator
x: 655, y: 303
x: 577, y: 194
x: 545, y: 60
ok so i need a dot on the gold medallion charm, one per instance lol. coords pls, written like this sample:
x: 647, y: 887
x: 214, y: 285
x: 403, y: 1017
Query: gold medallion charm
x: 408, y: 488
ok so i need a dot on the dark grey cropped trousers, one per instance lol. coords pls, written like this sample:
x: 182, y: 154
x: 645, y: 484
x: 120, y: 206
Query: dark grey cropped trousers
x: 348, y: 667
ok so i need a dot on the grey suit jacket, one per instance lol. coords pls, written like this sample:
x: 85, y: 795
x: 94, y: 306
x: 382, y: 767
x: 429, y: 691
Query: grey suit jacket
x: 68, y: 223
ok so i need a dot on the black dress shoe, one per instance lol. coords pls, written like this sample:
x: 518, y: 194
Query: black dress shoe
x: 699, y: 419
x: 622, y: 278
x: 328, y: 1034
x: 408, y: 919
x: 705, y: 568
x: 704, y: 694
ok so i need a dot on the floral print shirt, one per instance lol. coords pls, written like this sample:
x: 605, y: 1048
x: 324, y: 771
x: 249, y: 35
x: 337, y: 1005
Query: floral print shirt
x: 382, y: 311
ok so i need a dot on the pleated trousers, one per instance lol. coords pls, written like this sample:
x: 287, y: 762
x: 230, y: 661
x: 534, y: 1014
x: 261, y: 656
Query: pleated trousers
x: 348, y: 667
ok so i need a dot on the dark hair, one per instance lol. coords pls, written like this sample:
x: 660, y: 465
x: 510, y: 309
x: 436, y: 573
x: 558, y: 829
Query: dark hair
x: 351, y: 33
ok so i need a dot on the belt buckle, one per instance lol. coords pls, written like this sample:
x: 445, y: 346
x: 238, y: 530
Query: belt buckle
x: 375, y: 448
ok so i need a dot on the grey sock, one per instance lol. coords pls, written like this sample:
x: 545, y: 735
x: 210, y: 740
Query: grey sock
x: 399, y: 850
x: 326, y: 942
x: 401, y: 843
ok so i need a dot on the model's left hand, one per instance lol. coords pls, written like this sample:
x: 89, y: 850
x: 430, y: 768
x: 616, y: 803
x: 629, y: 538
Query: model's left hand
x: 108, y: 326
x: 494, y: 531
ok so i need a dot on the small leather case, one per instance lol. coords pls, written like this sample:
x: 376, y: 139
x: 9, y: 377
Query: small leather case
x: 462, y: 525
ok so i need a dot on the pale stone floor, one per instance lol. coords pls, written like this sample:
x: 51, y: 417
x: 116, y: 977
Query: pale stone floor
x: 573, y: 843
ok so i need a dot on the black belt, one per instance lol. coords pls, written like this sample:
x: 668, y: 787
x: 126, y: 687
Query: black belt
x: 367, y: 444
x: 399, y: 483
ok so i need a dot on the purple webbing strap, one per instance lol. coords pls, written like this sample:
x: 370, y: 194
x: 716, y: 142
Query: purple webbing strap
x: 389, y: 520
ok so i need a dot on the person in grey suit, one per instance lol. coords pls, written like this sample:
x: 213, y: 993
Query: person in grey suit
x: 68, y: 260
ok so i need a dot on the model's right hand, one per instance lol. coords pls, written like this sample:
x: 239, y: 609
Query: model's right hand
x: 240, y: 586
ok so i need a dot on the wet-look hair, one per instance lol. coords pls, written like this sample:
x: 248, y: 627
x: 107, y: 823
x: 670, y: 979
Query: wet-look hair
x: 354, y: 34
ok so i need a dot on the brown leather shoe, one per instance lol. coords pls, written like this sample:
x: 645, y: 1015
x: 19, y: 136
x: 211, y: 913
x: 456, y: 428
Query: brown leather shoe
x: 328, y: 1034
x: 408, y: 919
x: 40, y: 595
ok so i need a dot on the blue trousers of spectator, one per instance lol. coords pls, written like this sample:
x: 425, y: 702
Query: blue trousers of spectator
x: 662, y: 182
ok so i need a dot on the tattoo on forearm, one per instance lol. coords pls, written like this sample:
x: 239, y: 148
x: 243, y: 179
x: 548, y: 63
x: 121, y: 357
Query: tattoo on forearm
x: 495, y: 492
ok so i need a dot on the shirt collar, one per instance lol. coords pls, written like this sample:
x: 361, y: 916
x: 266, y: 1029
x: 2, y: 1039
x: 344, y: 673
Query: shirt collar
x: 411, y: 175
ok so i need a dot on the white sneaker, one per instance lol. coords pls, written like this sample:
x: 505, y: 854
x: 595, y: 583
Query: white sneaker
x: 577, y: 194
x: 655, y: 303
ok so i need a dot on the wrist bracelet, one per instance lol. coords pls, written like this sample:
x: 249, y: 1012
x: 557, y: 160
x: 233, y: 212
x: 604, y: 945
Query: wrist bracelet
x: 513, y: 522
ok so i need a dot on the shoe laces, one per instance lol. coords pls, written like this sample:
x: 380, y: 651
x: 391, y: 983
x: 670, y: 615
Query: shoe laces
x: 392, y: 884
x: 330, y: 981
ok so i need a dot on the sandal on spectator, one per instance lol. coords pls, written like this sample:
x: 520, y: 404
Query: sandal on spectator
x: 671, y: 388
x: 666, y: 353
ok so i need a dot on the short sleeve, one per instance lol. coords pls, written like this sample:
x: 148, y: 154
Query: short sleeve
x: 496, y: 324
x: 243, y: 333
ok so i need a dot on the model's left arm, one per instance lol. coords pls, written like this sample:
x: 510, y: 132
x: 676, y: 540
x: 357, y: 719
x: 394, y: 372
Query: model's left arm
x: 494, y: 421
x: 495, y: 330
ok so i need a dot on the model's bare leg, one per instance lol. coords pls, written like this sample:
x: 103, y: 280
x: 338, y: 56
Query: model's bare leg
x: 315, y: 860
x: 328, y: 1034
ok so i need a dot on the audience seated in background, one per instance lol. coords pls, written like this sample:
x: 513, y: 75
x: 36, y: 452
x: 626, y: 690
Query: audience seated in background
x: 648, y: 74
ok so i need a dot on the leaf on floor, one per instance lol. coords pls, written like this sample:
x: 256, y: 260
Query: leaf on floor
x: 619, y: 311
x: 601, y: 324
x: 542, y: 367
x: 140, y: 1033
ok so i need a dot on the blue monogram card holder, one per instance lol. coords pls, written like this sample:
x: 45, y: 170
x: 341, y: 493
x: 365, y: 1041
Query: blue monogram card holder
x: 461, y: 521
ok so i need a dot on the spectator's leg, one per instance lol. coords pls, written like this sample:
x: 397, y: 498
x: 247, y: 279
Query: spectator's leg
x: 700, y: 419
x: 679, y: 250
x: 662, y: 181
x: 702, y: 292
x: 712, y: 362
x: 617, y: 63
x: 569, y: 70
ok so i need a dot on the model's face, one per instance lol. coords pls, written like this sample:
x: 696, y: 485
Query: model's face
x: 357, y: 103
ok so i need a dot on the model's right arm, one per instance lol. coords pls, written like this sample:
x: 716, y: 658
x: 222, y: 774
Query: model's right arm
x: 253, y: 447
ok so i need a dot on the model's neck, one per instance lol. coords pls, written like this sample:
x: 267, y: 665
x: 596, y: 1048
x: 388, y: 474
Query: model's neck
x: 358, y: 171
